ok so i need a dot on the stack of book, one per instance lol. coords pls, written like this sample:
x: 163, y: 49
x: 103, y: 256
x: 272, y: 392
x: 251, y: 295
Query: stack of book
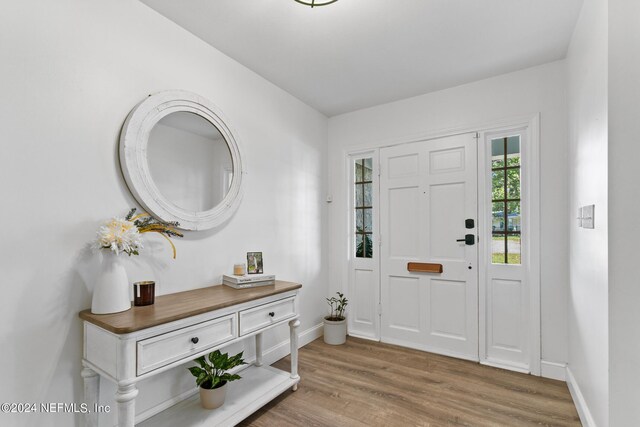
x: 249, y: 281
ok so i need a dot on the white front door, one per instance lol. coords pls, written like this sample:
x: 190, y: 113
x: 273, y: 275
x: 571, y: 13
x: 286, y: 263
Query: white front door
x: 428, y: 190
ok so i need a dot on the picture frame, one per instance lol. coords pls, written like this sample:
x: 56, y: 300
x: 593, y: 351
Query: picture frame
x: 254, y: 263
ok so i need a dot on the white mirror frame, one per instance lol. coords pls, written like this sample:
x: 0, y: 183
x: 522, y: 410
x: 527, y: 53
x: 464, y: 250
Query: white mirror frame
x: 135, y: 167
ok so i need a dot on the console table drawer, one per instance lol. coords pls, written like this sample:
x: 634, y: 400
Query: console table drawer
x: 159, y: 351
x: 256, y: 318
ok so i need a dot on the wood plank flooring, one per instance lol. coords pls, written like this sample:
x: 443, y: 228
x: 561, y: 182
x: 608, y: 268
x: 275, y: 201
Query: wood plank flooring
x: 364, y: 383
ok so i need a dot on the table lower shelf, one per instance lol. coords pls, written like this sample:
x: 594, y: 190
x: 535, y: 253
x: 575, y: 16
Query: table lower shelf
x: 258, y: 386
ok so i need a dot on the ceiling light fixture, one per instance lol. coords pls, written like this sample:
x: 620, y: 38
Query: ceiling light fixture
x: 314, y: 3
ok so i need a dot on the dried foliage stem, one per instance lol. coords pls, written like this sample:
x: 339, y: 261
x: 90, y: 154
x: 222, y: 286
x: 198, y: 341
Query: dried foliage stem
x: 147, y: 224
x: 122, y: 235
x: 173, y: 247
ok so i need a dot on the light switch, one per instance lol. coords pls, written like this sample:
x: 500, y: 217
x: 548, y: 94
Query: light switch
x: 579, y: 218
x: 588, y: 216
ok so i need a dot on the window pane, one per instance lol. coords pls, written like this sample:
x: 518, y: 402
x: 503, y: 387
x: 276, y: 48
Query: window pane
x: 513, y: 216
x: 359, y: 196
x: 497, y: 185
x: 368, y: 169
x: 368, y: 188
x: 513, y: 183
x: 505, y: 215
x: 497, y: 249
x: 513, y: 249
x: 359, y: 221
x: 363, y: 202
x: 513, y: 150
x: 497, y: 153
x: 368, y: 220
x: 359, y: 246
x: 497, y: 221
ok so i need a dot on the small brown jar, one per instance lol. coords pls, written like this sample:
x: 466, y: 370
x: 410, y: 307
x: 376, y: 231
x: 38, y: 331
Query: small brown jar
x: 144, y: 293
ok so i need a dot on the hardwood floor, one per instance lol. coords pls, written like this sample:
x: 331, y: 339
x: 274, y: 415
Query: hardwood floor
x: 364, y: 383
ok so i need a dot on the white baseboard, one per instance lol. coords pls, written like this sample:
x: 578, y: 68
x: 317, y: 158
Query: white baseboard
x: 553, y: 370
x: 269, y: 356
x: 578, y: 399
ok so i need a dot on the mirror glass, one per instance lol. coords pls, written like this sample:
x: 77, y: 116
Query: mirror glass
x: 189, y: 161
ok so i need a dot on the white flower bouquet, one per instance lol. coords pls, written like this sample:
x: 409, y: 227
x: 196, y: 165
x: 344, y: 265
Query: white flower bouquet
x: 124, y: 234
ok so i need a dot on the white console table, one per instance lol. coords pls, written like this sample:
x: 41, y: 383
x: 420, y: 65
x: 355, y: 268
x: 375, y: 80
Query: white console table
x: 145, y: 341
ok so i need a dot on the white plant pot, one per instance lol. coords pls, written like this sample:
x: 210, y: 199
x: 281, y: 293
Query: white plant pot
x: 213, y: 398
x: 335, y: 331
x: 111, y: 290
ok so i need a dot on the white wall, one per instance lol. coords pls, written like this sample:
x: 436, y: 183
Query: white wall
x: 71, y: 72
x: 540, y: 89
x: 624, y: 203
x: 588, y: 312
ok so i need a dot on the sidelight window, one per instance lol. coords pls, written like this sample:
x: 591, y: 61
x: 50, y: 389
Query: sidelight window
x: 506, y: 215
x: 363, y: 207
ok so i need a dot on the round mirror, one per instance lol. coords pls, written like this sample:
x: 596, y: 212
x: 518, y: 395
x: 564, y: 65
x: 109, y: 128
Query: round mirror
x: 189, y: 161
x: 181, y: 160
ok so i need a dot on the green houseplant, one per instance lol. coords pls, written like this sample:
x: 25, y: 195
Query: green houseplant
x: 335, y: 324
x: 212, y: 376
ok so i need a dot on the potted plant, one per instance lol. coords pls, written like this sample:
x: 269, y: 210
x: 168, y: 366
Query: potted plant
x: 212, y: 376
x: 335, y: 324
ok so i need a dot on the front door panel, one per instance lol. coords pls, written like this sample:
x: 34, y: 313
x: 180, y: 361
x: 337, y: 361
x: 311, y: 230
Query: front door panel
x: 428, y: 190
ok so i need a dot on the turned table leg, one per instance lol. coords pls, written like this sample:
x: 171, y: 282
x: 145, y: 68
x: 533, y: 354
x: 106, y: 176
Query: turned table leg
x: 126, y: 401
x: 91, y: 395
x: 293, y: 330
x: 259, y: 349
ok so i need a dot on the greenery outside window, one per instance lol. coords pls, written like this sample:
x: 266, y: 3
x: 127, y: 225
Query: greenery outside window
x: 506, y: 215
x: 363, y: 207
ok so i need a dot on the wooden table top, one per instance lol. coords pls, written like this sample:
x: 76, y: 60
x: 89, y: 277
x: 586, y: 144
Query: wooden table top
x: 171, y: 307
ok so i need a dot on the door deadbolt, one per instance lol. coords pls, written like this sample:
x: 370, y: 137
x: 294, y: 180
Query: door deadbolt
x: 469, y: 239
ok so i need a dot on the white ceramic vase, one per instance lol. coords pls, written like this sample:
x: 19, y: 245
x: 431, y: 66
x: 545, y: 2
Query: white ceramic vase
x: 213, y: 398
x: 111, y: 291
x: 335, y: 331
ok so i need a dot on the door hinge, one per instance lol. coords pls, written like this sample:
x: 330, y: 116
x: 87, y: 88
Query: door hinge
x: 379, y: 309
x: 477, y: 135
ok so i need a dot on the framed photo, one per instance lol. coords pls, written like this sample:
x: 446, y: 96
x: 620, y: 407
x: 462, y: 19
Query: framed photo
x: 254, y: 263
